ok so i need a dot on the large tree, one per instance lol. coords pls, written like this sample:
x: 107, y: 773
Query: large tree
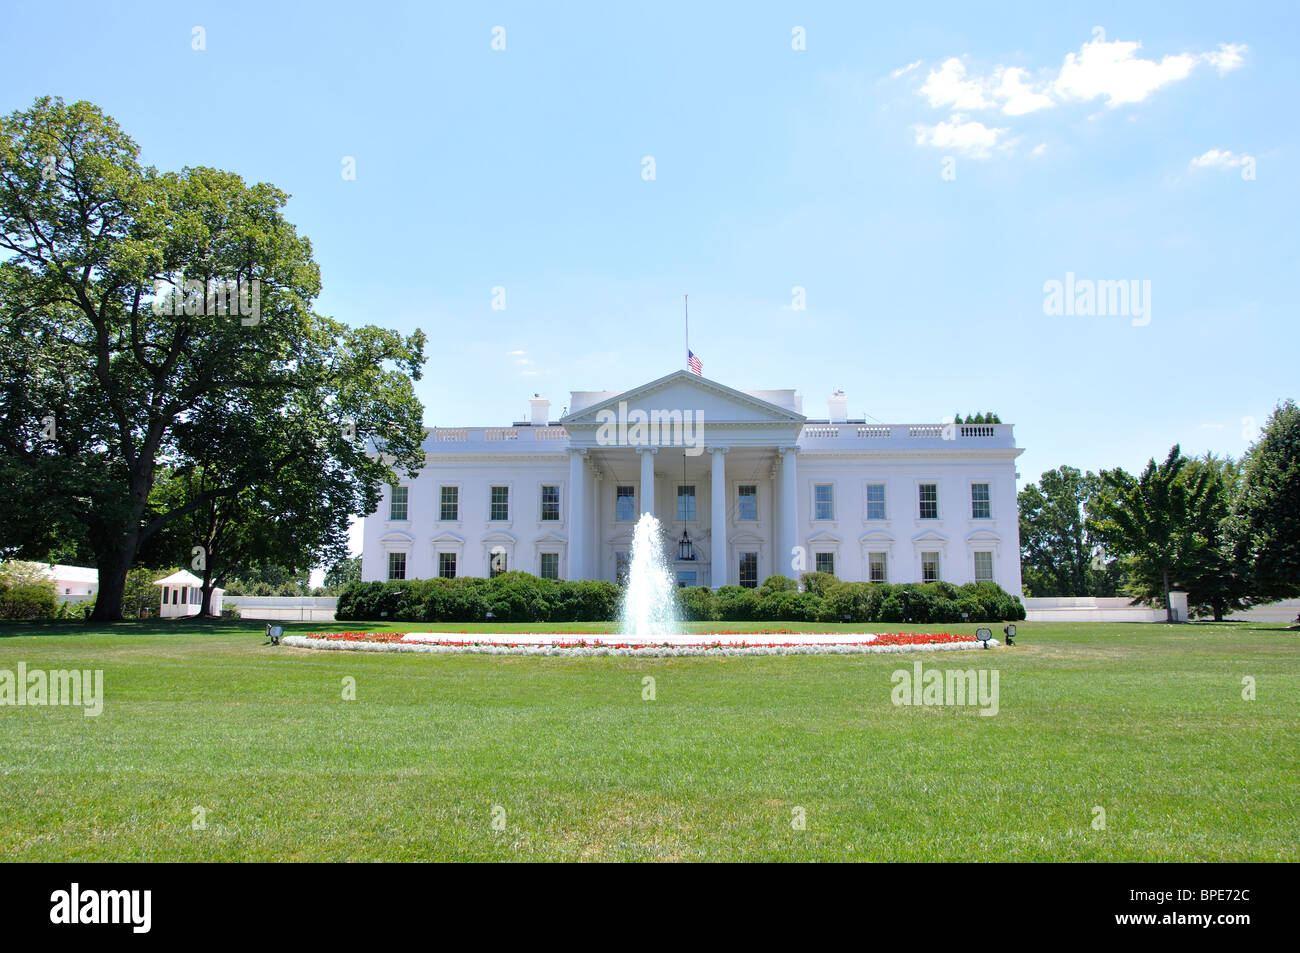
x: 1153, y: 523
x: 1058, y: 555
x: 104, y: 381
x: 1267, y: 515
x: 1217, y: 582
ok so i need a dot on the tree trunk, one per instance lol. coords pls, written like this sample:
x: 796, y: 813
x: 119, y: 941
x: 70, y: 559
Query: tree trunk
x: 205, y: 609
x: 113, y: 567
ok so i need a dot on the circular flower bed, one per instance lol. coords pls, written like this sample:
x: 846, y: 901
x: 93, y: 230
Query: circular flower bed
x: 774, y: 642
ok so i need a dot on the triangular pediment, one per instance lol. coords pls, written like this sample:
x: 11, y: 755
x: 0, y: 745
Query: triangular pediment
x: 684, y: 391
x: 825, y: 537
x: 929, y: 536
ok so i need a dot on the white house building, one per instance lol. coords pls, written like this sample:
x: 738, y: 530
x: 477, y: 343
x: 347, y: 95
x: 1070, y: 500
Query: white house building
x: 754, y: 486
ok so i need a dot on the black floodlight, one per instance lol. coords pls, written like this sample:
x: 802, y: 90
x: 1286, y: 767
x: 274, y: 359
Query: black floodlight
x: 983, y: 633
x: 1011, y: 634
x: 274, y: 632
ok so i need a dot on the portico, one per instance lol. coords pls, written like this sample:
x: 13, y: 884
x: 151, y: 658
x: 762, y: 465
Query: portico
x: 704, y: 459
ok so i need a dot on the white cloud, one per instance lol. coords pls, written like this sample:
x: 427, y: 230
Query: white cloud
x: 1219, y: 159
x: 1018, y: 97
x: 965, y: 137
x: 1228, y: 57
x: 1115, y: 71
x: 948, y: 86
x: 1039, y: 150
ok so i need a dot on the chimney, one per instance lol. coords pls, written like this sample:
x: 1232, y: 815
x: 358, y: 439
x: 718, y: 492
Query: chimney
x: 798, y: 404
x: 541, y: 408
x: 838, y: 405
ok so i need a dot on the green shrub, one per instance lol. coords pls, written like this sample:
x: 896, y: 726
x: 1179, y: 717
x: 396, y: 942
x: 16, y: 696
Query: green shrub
x: 891, y: 610
x: 28, y: 601
x: 818, y: 582
x: 696, y: 604
x: 778, y: 584
x: 736, y: 604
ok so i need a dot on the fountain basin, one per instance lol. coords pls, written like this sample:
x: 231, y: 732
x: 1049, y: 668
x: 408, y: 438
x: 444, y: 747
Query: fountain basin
x: 682, y: 644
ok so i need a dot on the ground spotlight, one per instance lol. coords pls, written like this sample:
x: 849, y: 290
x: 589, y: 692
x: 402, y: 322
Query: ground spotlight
x: 1011, y: 634
x: 983, y: 633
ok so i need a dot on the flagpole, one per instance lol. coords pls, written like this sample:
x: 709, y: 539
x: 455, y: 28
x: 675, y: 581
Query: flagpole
x: 686, y: 307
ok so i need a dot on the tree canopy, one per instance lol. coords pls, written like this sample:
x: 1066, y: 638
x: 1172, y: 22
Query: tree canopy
x: 157, y: 333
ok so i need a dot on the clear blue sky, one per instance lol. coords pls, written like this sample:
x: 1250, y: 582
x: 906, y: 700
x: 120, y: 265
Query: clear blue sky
x: 775, y: 168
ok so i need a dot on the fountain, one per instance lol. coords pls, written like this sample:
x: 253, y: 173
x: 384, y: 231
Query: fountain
x: 649, y: 606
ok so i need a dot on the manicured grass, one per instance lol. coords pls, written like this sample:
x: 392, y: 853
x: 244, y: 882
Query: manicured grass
x: 1145, y: 721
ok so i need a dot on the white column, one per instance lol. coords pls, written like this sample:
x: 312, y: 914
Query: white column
x: 789, y: 511
x: 594, y: 533
x: 648, y: 480
x: 718, y: 518
x: 577, y: 568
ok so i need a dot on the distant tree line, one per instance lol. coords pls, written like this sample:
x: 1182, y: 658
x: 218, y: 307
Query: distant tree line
x: 1226, y: 532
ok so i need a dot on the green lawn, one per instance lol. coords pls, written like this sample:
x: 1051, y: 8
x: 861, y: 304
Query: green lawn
x: 1145, y: 721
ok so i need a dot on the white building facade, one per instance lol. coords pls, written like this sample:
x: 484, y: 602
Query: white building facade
x: 751, y: 484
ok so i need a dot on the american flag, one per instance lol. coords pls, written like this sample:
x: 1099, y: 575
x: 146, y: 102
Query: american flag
x: 693, y: 363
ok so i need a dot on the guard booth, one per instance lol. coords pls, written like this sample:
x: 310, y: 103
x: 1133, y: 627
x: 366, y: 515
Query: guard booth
x: 182, y: 593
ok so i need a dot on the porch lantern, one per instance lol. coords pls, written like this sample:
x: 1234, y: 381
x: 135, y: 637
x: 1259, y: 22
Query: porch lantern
x: 685, y: 550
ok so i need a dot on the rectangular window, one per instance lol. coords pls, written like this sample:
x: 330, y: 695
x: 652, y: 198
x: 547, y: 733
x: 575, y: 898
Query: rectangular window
x: 929, y: 567
x: 497, y: 562
x: 878, y: 567
x: 397, y: 503
x: 397, y: 565
x: 550, y: 504
x: 625, y: 504
x: 875, y: 501
x: 447, y: 565
x: 823, y: 501
x: 621, y: 563
x: 983, y: 567
x: 749, y: 570
x: 747, y: 501
x: 826, y: 563
x: 449, y: 511
x: 500, y: 508
x: 980, y: 508
x: 550, y: 566
x: 686, y: 578
x: 929, y: 500
x: 685, y: 503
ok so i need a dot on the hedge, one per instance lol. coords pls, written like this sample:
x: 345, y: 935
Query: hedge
x: 510, y: 597
x: 520, y: 597
x: 23, y: 602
